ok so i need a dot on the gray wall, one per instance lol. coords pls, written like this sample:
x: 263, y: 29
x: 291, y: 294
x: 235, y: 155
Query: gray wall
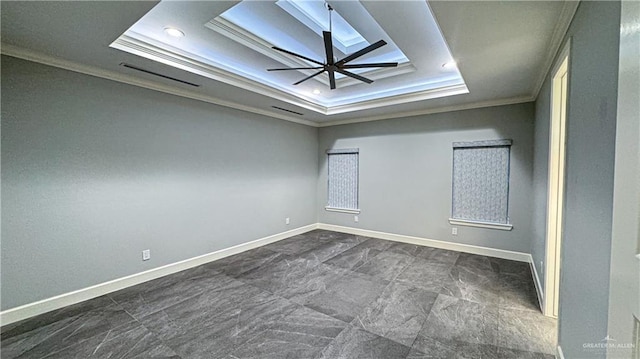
x: 591, y: 128
x: 406, y: 167
x: 624, y: 295
x: 95, y: 171
x: 540, y: 179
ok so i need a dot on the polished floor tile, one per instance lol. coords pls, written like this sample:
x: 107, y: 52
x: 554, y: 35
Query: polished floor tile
x: 355, y: 257
x: 439, y: 348
x: 318, y: 295
x: 398, y: 314
x: 215, y: 333
x: 463, y: 321
x: 135, y: 342
x: 475, y: 286
x: 283, y: 275
x: 299, y: 335
x: 379, y: 244
x: 405, y: 248
x: 317, y: 287
x: 332, y: 248
x: 151, y: 297
x: 521, y: 269
x: 526, y: 330
x: 518, y: 293
x: 66, y: 332
x: 24, y: 326
x: 355, y: 343
x: 425, y: 274
x: 438, y: 255
x: 476, y: 262
x: 205, y: 309
x: 246, y: 261
x: 386, y: 265
x: 506, y: 353
x: 347, y: 296
x: 297, y: 244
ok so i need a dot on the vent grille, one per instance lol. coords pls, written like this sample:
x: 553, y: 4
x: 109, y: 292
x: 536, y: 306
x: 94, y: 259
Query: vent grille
x: 290, y: 111
x: 133, y: 67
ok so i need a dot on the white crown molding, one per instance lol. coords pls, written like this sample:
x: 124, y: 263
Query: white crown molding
x: 569, y: 9
x: 29, y: 55
x: 191, y: 63
x: 241, y: 36
x: 46, y: 305
x: 429, y: 111
x: 443, y: 91
x: 139, y: 45
x: 146, y: 48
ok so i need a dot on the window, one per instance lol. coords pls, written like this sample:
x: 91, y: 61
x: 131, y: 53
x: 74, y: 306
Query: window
x: 342, y: 190
x: 481, y: 184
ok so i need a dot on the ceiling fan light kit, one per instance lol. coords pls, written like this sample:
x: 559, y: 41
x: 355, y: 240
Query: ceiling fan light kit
x: 331, y: 66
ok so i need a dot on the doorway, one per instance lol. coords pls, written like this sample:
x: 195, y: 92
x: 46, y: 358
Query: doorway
x: 555, y: 196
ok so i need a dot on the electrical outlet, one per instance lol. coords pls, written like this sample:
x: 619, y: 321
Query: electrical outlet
x: 146, y: 254
x: 287, y: 220
x: 454, y: 231
x: 356, y: 219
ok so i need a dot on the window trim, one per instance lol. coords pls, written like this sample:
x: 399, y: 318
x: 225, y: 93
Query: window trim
x: 490, y: 225
x: 342, y: 210
x: 477, y: 223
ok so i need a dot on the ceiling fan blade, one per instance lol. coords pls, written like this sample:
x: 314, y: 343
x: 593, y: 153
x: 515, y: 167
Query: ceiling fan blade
x: 328, y: 46
x: 308, y: 77
x: 297, y: 55
x: 359, y: 53
x: 355, y: 76
x: 297, y: 68
x: 332, y: 78
x: 362, y: 66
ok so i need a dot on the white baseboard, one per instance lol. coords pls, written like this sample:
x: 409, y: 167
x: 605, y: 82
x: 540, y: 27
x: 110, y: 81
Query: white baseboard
x: 42, y: 306
x: 537, y: 283
x: 460, y: 247
x: 559, y: 353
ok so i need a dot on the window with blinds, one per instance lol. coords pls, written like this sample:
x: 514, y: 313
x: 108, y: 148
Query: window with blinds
x: 481, y: 182
x: 342, y: 187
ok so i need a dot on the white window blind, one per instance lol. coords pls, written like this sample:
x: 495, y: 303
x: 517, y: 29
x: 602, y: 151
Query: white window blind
x: 342, y: 177
x: 481, y: 181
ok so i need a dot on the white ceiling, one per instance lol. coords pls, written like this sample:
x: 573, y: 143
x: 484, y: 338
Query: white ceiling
x: 235, y: 47
x: 503, y: 50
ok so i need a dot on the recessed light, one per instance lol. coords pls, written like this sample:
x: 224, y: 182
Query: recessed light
x: 316, y: 92
x: 449, y: 65
x: 172, y: 31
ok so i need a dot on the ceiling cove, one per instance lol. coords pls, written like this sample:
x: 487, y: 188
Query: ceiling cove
x: 232, y: 43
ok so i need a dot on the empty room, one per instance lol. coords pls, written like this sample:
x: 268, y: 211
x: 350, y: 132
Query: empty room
x: 320, y: 179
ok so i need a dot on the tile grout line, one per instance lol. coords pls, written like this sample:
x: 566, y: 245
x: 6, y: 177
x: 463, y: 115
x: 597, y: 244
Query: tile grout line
x: 501, y: 307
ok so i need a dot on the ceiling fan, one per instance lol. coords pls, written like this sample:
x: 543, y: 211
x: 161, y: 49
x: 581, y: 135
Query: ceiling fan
x: 331, y: 66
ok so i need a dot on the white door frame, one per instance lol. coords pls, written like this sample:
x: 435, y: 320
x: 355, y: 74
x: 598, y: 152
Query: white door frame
x: 556, y: 194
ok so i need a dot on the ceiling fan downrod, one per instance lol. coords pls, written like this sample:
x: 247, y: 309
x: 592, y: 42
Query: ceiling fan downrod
x: 331, y: 66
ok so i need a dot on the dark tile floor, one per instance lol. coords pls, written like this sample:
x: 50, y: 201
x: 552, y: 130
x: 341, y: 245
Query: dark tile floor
x: 317, y: 295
